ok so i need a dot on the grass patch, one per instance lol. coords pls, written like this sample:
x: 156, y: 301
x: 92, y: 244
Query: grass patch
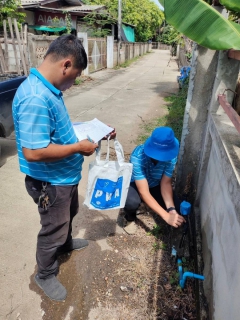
x: 159, y: 245
x: 156, y: 231
x: 174, y: 278
x: 175, y: 104
x: 129, y: 62
x: 78, y: 81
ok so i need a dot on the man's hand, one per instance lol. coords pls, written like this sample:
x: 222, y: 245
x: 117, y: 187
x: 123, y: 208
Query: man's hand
x: 111, y: 134
x: 87, y: 148
x: 174, y: 219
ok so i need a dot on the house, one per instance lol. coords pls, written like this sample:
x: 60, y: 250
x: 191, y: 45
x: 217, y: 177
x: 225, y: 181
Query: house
x: 49, y: 15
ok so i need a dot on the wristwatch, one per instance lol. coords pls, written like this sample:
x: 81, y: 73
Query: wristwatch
x: 170, y: 209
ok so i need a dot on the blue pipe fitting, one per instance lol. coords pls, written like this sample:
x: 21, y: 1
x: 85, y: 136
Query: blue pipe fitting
x: 185, y: 208
x: 188, y: 274
x: 174, y: 252
x: 183, y: 276
x: 180, y: 268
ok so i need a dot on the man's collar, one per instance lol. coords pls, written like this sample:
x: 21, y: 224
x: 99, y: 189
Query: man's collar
x: 46, y: 82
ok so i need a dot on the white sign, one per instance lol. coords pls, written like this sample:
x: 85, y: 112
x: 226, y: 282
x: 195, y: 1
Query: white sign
x: 47, y: 19
x: 93, y: 130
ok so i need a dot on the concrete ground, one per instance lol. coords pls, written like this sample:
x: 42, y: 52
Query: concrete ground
x: 122, y: 98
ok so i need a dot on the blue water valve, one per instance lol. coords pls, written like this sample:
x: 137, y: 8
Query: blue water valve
x: 185, y: 208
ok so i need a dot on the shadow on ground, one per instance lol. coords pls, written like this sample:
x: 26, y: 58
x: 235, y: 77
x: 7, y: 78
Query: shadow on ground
x: 83, y: 272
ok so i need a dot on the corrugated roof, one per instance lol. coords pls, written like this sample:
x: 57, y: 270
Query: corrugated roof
x: 26, y: 2
x: 83, y: 8
x: 37, y: 2
x: 78, y: 8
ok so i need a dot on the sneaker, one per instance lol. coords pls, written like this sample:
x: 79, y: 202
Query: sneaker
x: 77, y: 244
x: 130, y: 227
x: 142, y: 209
x: 52, y: 288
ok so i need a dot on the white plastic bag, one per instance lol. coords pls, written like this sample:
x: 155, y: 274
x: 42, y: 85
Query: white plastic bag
x: 108, y: 181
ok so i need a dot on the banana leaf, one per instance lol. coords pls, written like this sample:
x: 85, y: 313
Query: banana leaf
x: 233, y: 5
x: 202, y: 23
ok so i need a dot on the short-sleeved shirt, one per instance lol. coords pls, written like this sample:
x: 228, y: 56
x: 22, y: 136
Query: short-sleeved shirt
x: 144, y: 168
x: 40, y: 118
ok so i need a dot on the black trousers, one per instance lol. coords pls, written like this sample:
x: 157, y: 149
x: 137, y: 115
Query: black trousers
x: 56, y: 221
x: 133, y: 200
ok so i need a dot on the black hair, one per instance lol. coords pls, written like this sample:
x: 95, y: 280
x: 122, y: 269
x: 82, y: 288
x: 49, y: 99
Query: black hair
x: 68, y: 45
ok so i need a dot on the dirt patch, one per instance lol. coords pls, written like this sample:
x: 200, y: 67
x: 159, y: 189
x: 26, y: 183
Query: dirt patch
x: 136, y: 279
x: 144, y: 282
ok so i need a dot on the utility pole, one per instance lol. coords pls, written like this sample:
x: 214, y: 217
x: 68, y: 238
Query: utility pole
x: 119, y: 28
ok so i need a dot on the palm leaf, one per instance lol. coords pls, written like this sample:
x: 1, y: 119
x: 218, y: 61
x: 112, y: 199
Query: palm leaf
x: 202, y: 23
x: 233, y: 5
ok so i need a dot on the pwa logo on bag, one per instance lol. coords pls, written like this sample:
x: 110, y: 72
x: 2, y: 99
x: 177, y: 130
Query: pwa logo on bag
x: 107, y: 194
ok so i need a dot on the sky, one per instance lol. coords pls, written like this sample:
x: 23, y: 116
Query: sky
x: 157, y: 2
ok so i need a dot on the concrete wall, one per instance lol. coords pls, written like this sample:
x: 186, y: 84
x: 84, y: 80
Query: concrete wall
x: 201, y: 82
x: 30, y: 17
x: 110, y: 46
x: 219, y: 204
x: 161, y: 46
x: 129, y: 51
x: 210, y: 152
x: 37, y: 47
x: 181, y: 54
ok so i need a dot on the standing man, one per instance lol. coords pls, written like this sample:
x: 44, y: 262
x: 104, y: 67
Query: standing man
x: 153, y: 166
x: 51, y: 156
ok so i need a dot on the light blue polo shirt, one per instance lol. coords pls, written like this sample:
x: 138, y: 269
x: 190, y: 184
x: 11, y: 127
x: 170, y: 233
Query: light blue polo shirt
x: 144, y: 168
x: 40, y: 118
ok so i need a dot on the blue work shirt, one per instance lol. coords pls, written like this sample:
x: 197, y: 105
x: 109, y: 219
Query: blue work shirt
x: 40, y: 118
x: 144, y: 168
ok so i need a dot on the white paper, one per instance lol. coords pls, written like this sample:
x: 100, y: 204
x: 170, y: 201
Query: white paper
x: 94, y: 130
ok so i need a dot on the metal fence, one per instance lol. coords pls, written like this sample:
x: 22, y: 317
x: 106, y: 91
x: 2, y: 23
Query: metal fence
x: 97, y: 54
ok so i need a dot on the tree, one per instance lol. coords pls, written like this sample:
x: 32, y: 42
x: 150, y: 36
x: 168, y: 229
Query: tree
x: 169, y: 35
x: 203, y: 24
x: 143, y: 14
x: 9, y: 8
x: 99, y: 24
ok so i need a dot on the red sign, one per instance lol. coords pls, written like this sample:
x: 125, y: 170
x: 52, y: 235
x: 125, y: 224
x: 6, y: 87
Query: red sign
x: 43, y: 18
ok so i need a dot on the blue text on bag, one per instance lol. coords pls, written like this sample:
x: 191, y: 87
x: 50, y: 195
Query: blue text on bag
x: 107, y: 193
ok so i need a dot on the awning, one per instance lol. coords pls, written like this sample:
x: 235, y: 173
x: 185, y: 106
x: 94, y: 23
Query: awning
x: 49, y: 29
x: 129, y: 33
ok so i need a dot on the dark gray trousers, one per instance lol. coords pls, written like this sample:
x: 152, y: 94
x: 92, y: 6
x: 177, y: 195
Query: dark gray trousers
x: 56, y: 221
x: 134, y: 200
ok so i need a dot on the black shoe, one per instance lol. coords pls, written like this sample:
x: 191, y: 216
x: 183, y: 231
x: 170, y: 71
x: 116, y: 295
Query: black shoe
x: 76, y: 244
x: 52, y: 288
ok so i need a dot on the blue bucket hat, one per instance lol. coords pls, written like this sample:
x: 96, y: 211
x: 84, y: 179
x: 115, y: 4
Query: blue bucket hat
x: 162, y: 145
